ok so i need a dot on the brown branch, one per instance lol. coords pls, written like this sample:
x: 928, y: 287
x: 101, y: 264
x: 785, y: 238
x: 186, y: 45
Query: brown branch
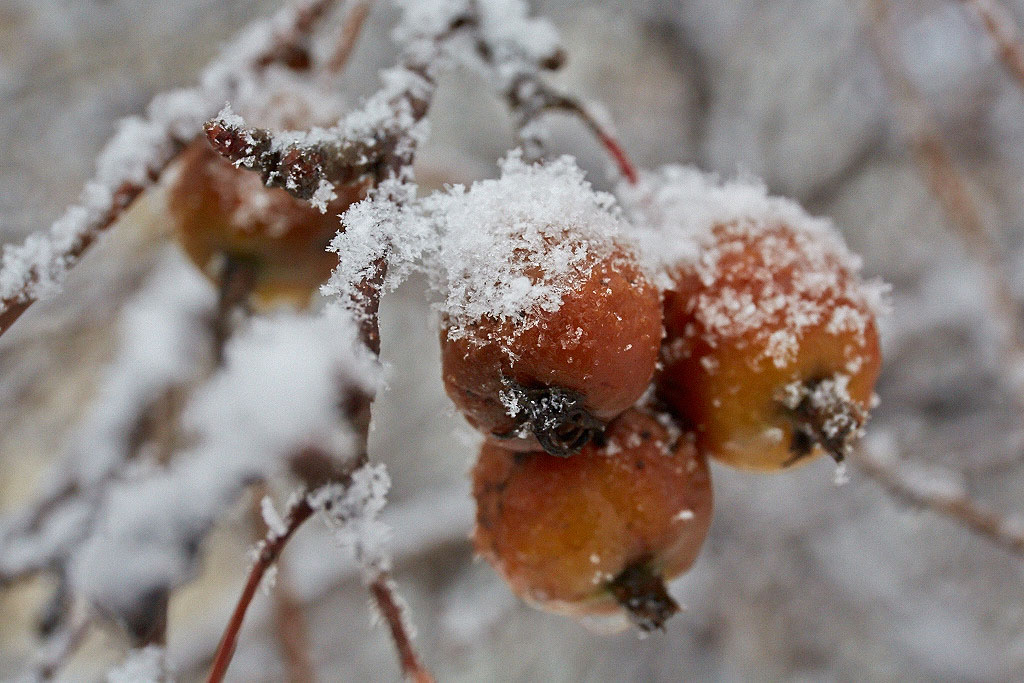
x: 290, y: 43
x: 948, y: 185
x: 383, y: 591
x: 549, y: 100
x: 12, y: 307
x: 1004, y: 33
x: 269, y: 551
x: 237, y: 280
x: 89, y: 221
x: 288, y: 615
x: 64, y: 645
x: 350, y: 32
x: 958, y: 506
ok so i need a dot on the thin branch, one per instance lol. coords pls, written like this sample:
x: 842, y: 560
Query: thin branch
x: 948, y: 185
x: 549, y: 100
x: 269, y: 550
x: 292, y: 631
x: 63, y: 645
x: 288, y: 615
x: 13, y: 305
x: 1004, y: 33
x: 290, y: 41
x: 136, y: 158
x: 383, y: 591
x: 237, y: 280
x: 953, y: 504
x: 350, y: 32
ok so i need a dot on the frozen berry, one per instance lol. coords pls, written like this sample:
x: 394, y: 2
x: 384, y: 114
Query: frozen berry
x: 555, y: 383
x: 771, y: 351
x: 225, y: 218
x: 599, y: 533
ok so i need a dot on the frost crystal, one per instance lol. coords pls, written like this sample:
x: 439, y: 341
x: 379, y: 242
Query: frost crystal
x: 767, y: 270
x: 353, y: 511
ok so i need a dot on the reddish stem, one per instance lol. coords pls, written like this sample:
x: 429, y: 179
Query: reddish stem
x: 350, y: 31
x: 618, y: 155
x: 604, y: 136
x: 1003, y: 31
x: 272, y: 547
x: 383, y: 593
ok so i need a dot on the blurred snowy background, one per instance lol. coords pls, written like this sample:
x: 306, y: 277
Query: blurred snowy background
x: 800, y: 579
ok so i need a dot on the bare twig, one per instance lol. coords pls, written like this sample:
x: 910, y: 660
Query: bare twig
x: 269, y: 550
x: 63, y: 645
x: 292, y: 631
x: 948, y: 185
x: 1004, y: 33
x: 237, y: 279
x: 530, y: 99
x: 383, y: 591
x: 953, y: 504
x: 135, y: 159
x: 288, y: 615
x: 350, y: 31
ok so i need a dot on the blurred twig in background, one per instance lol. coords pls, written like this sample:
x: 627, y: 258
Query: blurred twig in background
x: 1002, y: 29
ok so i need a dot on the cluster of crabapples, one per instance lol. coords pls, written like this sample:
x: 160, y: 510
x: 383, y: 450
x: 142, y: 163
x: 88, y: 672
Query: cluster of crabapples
x: 602, y: 377
x: 592, y: 486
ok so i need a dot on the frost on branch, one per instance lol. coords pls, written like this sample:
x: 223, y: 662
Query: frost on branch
x: 379, y: 138
x: 352, y: 509
x: 133, y: 160
x: 279, y: 396
x: 161, y: 345
x: 388, y: 227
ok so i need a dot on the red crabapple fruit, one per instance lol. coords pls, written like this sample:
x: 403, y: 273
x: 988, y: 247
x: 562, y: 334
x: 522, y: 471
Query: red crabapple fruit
x: 225, y: 217
x: 771, y: 351
x: 556, y: 383
x: 599, y: 533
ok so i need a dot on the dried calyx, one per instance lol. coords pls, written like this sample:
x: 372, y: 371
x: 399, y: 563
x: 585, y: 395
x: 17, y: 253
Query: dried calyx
x: 642, y: 594
x: 556, y: 416
x: 823, y: 414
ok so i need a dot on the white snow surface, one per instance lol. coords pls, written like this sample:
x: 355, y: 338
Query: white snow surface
x: 512, y: 247
x: 277, y: 394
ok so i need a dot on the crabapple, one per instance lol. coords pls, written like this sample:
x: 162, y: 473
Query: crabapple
x: 553, y: 384
x: 771, y: 351
x: 597, y: 534
x: 224, y: 217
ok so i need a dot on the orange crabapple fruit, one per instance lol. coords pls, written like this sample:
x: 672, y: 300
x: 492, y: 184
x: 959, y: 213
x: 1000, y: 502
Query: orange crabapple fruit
x: 771, y: 351
x: 554, y: 383
x: 598, y: 534
x: 225, y: 217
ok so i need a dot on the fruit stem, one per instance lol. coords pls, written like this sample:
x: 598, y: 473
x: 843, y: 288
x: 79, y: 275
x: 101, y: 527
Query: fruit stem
x: 237, y: 279
x: 641, y: 592
x: 556, y: 416
x: 823, y: 414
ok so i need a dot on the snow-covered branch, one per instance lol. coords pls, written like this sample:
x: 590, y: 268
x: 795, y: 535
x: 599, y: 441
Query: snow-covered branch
x: 136, y: 156
x: 941, y: 496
